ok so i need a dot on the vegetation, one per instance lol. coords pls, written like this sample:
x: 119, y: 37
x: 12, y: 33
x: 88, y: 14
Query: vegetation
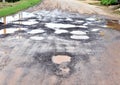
x: 11, y: 8
x: 109, y: 2
x: 12, y: 0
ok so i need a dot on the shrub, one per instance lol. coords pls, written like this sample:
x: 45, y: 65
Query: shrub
x: 12, y: 0
x: 109, y: 2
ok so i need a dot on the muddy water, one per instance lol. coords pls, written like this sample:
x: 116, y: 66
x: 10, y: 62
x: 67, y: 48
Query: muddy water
x: 22, y: 21
x: 52, y: 47
x: 114, y: 24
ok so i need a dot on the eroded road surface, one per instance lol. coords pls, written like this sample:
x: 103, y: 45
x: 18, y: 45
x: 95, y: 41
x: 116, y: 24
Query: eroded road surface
x: 58, y: 48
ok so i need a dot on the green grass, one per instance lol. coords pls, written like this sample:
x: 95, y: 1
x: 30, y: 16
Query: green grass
x: 11, y: 8
x: 108, y: 2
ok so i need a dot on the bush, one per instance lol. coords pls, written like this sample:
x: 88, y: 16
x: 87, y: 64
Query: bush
x: 12, y: 0
x: 109, y: 2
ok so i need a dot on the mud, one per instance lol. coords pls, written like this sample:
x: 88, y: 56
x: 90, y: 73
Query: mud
x: 114, y: 24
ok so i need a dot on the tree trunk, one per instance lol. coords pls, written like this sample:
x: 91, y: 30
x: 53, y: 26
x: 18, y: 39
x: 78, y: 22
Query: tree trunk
x: 3, y: 1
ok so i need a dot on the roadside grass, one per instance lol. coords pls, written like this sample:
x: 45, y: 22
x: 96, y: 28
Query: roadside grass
x: 11, y: 8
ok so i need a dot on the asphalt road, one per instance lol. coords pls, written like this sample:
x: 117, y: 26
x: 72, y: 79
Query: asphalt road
x: 58, y: 48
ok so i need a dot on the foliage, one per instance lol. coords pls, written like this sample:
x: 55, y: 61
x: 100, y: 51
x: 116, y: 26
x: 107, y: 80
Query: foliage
x: 12, y: 0
x: 18, y: 6
x: 109, y: 2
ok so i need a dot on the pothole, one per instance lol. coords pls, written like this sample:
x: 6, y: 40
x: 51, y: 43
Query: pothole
x: 63, y: 62
x: 78, y: 32
x: 60, y: 31
x: 30, y: 22
x: 63, y: 71
x: 36, y: 31
x: 60, y: 64
x: 114, y: 24
x: 79, y: 21
x: 79, y: 37
x: 58, y: 25
x: 91, y: 19
x: 95, y: 30
x: 12, y: 30
x: 36, y: 38
x: 59, y: 59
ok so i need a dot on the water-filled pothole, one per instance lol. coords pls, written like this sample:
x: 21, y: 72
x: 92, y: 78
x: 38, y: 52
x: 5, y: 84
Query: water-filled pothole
x: 59, y: 59
x: 60, y: 64
x: 36, y: 38
x: 78, y: 32
x: 114, y: 24
x: 59, y: 31
x: 80, y: 37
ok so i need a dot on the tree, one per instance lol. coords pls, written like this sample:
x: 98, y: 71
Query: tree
x: 3, y: 1
x: 109, y: 2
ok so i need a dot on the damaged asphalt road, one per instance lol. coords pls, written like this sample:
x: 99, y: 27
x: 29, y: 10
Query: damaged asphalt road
x: 54, y: 48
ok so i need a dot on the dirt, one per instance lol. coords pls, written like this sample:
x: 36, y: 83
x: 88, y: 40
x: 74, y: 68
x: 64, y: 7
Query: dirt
x: 78, y: 6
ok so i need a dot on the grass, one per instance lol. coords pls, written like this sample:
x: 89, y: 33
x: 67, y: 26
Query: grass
x: 12, y: 8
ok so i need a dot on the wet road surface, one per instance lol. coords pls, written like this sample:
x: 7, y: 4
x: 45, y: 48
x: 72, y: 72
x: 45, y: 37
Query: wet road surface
x: 58, y: 48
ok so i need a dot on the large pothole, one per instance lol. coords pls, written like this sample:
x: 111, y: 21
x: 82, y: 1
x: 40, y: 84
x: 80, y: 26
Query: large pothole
x: 59, y: 59
x: 63, y: 61
x: 61, y: 64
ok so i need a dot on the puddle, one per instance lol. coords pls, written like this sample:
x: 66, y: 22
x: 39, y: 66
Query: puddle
x: 95, y: 30
x: 94, y: 18
x: 29, y: 22
x: 10, y: 30
x: 78, y: 32
x: 79, y: 21
x: 17, y: 16
x: 60, y: 31
x: 36, y: 38
x: 79, y: 37
x: 69, y: 19
x: 36, y: 31
x: 58, y: 25
x: 82, y: 26
x: 59, y: 59
x: 61, y: 63
x: 91, y: 19
x: 114, y: 24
